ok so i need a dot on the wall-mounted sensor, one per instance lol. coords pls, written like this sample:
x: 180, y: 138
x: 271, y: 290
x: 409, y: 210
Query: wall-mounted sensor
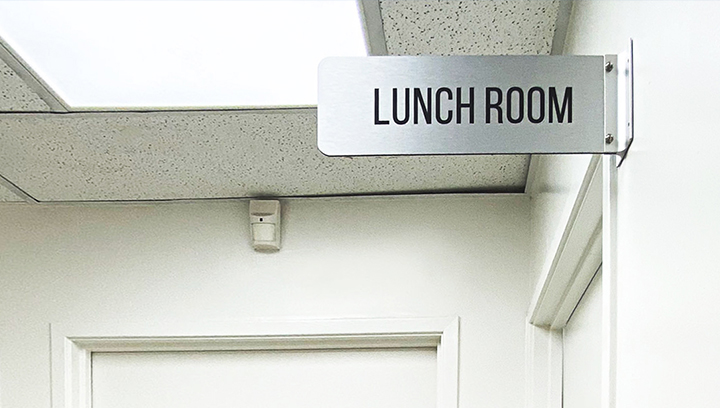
x: 265, y: 224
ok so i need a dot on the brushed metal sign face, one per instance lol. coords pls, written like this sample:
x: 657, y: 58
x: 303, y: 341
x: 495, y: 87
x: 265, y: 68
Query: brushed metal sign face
x: 461, y: 105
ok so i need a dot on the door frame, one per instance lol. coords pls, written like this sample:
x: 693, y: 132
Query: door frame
x: 72, y: 345
x: 588, y: 240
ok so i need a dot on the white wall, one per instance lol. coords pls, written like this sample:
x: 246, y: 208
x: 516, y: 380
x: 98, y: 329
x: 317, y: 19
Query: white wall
x: 368, y: 257
x: 668, y: 280
x: 553, y: 187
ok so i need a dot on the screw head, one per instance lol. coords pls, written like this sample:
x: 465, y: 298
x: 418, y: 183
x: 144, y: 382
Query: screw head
x: 609, y: 138
x: 608, y: 66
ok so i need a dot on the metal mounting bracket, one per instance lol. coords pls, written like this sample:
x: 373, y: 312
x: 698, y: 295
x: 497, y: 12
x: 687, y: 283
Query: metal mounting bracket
x: 626, y: 103
x: 619, y: 103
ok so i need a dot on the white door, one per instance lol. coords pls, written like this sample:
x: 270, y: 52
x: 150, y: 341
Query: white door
x: 348, y: 378
x: 582, y: 350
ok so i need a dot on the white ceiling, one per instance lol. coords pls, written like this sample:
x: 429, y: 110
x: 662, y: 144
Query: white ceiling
x: 211, y: 154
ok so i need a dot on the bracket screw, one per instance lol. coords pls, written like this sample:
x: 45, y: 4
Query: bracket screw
x: 608, y: 66
x: 609, y: 138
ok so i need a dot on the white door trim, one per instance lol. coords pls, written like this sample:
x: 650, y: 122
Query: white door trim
x: 575, y: 257
x: 72, y: 345
x: 543, y: 371
x: 609, y: 282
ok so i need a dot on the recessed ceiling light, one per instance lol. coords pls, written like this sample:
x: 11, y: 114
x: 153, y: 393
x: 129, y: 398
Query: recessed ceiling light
x: 181, y: 53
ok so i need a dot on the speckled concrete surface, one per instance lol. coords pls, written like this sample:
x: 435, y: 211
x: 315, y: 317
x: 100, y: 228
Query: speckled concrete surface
x: 125, y: 156
x: 451, y: 27
x: 7, y: 195
x: 15, y: 95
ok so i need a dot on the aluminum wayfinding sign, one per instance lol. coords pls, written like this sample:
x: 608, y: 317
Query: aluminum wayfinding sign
x: 461, y: 105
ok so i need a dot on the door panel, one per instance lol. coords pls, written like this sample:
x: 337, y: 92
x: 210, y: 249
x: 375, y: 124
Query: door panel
x: 266, y: 379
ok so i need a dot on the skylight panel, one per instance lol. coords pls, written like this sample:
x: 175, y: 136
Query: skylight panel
x: 115, y: 54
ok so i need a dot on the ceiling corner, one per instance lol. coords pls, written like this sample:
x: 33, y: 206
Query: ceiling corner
x: 21, y: 87
x: 561, y: 25
x: 373, y: 27
x: 15, y: 94
x: 9, y: 192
